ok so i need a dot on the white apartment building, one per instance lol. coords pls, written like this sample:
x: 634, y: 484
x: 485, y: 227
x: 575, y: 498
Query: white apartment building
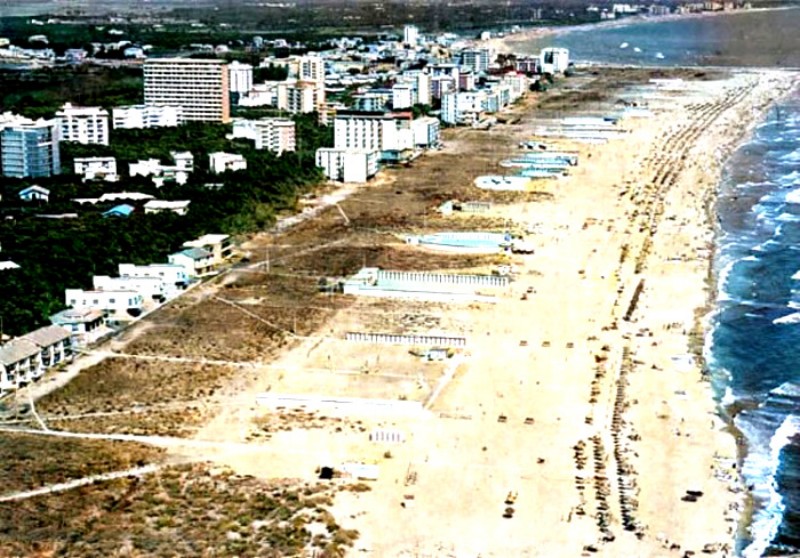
x: 446, y: 70
x: 240, y: 77
x: 172, y: 276
x: 410, y: 35
x: 184, y: 160
x: 196, y: 262
x: 298, y: 97
x: 348, y: 165
x: 426, y: 132
x: 83, y: 124
x: 304, y: 90
x: 219, y: 246
x: 151, y: 288
x: 179, y: 172
x: 147, y: 116
x: 423, y: 88
x: 273, y: 134
x: 372, y: 132
x: 404, y: 95
x: 262, y: 94
x: 518, y: 83
x: 463, y: 107
x: 220, y: 162
x: 199, y: 86
x: 311, y: 68
x: 554, y: 60
x: 477, y: 60
x: 91, y: 168
x: 120, y: 302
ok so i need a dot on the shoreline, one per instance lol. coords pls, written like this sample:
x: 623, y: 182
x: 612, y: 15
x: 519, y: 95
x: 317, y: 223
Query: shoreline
x: 729, y: 411
x: 507, y: 43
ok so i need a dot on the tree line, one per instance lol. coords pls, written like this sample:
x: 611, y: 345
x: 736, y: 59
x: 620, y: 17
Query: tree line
x: 55, y: 254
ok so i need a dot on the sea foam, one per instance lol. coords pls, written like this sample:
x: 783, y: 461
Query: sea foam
x: 763, y: 468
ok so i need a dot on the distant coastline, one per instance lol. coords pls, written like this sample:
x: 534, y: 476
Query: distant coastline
x: 510, y: 43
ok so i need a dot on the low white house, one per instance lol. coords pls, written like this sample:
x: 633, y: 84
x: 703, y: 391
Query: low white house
x: 196, y: 262
x: 151, y: 288
x: 120, y: 302
x: 348, y: 165
x: 179, y: 207
x: 85, y: 325
x: 220, y: 162
x: 172, y: 275
x: 91, y: 168
x: 35, y: 193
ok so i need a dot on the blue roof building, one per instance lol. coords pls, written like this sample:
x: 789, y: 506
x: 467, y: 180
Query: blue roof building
x: 122, y: 210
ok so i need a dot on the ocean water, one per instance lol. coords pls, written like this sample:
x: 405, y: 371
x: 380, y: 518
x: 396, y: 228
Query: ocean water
x: 753, y: 347
x: 758, y: 38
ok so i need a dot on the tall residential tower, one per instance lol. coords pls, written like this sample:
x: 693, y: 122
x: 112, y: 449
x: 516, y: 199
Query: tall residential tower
x: 199, y: 86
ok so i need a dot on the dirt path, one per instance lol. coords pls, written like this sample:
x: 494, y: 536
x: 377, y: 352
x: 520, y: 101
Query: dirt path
x: 77, y: 483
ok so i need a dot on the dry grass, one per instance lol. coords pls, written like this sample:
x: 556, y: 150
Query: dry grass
x: 140, y: 396
x: 188, y: 510
x: 31, y: 461
x: 182, y: 422
x: 284, y: 420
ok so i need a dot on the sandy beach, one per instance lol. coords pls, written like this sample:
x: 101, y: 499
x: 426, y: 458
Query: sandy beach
x: 586, y: 400
x: 575, y: 397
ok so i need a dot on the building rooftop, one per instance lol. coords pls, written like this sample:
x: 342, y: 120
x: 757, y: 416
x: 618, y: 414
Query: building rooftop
x: 34, y: 188
x: 123, y: 210
x: 48, y: 335
x: 206, y: 240
x: 93, y: 159
x: 167, y: 204
x: 112, y: 196
x: 73, y: 316
x: 210, y: 61
x: 196, y: 253
x: 17, y: 350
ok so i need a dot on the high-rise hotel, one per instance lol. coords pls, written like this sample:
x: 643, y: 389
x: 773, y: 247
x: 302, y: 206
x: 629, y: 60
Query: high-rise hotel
x: 199, y: 86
